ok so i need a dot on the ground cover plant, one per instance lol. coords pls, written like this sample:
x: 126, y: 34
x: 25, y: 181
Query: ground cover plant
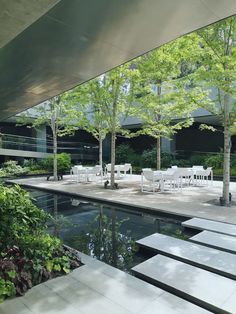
x: 11, y: 168
x: 28, y: 254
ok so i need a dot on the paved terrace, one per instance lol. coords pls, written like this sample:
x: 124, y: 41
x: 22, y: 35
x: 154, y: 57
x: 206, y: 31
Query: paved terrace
x: 101, y: 289
x: 193, y: 201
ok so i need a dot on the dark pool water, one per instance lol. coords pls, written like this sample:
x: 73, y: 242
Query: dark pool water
x: 103, y: 231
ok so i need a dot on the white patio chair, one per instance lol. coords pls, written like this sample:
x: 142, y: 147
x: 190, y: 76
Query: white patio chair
x: 95, y: 172
x: 173, y: 177
x: 186, y: 174
x: 74, y: 172
x: 197, y: 168
x: 202, y: 176
x: 153, y: 181
x: 127, y: 167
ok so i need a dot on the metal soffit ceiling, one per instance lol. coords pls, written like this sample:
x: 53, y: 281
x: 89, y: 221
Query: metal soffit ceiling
x: 77, y: 40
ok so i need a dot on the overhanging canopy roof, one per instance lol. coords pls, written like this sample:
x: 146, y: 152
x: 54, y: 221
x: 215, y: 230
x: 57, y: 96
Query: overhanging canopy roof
x: 77, y: 40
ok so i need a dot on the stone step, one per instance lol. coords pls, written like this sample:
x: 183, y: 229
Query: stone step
x: 214, y: 260
x: 210, y: 225
x: 216, y: 240
x: 211, y: 291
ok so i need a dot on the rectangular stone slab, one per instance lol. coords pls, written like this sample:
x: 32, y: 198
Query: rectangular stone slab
x: 216, y: 240
x: 211, y: 291
x: 210, y: 225
x: 214, y: 260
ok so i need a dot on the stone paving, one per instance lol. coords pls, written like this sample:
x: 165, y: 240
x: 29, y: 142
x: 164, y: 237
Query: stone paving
x: 101, y: 289
x: 193, y: 201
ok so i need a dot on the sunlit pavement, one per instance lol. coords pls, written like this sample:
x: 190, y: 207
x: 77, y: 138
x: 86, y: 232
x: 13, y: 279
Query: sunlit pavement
x: 192, y: 201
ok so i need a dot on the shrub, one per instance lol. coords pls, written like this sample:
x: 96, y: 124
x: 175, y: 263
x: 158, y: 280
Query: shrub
x: 126, y: 154
x: 214, y: 161
x: 18, y: 216
x: 167, y: 160
x: 149, y: 159
x: 233, y: 161
x: 7, y: 289
x: 11, y: 168
x: 123, y: 153
x: 33, y: 164
x: 182, y: 163
x: 198, y: 159
x: 28, y: 255
x: 63, y: 163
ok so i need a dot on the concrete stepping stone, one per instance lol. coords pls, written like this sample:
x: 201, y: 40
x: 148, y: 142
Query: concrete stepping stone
x: 211, y: 291
x: 210, y: 225
x: 216, y: 240
x: 214, y: 260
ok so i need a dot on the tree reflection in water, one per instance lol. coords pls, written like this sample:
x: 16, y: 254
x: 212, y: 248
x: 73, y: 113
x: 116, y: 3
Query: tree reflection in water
x: 105, y: 241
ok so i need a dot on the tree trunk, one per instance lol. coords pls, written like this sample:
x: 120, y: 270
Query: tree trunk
x: 159, y: 138
x: 55, y: 157
x: 100, y: 151
x: 227, y: 148
x: 158, y: 153
x: 113, y: 158
x: 113, y: 141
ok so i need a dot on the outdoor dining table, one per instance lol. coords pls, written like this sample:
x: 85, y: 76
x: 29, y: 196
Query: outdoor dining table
x: 83, y: 171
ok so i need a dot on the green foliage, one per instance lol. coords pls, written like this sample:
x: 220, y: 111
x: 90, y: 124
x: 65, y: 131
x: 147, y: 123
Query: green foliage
x: 41, y: 247
x: 181, y: 163
x: 28, y: 255
x: 33, y: 164
x: 214, y: 161
x: 7, y: 289
x: 148, y: 159
x: 55, y: 113
x: 123, y: 152
x: 167, y: 95
x: 11, y: 168
x: 63, y: 163
x: 126, y: 154
x: 219, y: 172
x: 218, y: 61
x: 18, y: 216
x: 197, y: 159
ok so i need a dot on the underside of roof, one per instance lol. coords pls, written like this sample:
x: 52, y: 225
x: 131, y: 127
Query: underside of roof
x: 51, y: 46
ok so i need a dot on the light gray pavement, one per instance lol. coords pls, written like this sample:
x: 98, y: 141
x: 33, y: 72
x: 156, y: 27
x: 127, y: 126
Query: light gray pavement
x: 214, y: 260
x: 193, y: 201
x: 212, y: 291
x: 215, y: 226
x: 216, y: 240
x: 98, y: 288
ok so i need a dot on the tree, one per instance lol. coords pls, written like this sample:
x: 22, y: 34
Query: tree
x: 106, y: 101
x: 54, y: 113
x: 89, y: 97
x: 167, y: 94
x: 218, y: 63
x: 118, y: 94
